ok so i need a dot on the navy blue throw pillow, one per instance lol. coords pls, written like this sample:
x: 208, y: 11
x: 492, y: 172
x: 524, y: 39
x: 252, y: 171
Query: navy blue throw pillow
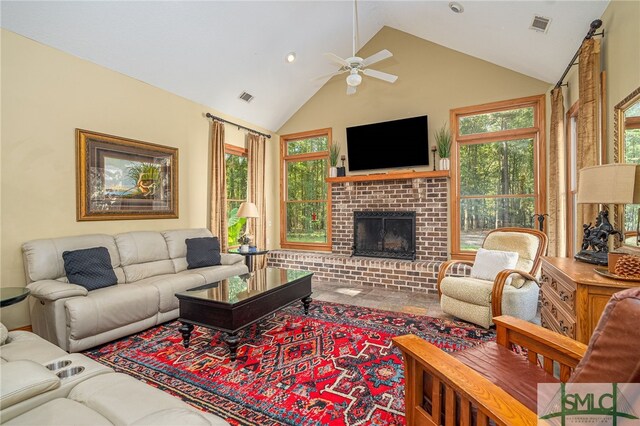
x: 203, y: 252
x: 90, y: 268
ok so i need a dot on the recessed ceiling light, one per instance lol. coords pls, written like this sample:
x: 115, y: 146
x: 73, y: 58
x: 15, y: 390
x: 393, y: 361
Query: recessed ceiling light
x: 456, y: 7
x: 291, y: 56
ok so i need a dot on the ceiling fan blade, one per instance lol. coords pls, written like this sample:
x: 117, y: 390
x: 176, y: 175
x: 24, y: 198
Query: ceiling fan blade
x: 381, y: 55
x: 337, y: 59
x: 351, y: 90
x: 331, y: 74
x: 381, y: 75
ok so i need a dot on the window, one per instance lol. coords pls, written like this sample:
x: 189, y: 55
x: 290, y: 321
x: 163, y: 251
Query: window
x: 236, y: 170
x: 497, y: 169
x: 305, y: 207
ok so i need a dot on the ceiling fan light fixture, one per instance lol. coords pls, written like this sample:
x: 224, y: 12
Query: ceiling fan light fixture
x: 456, y: 7
x: 354, y: 79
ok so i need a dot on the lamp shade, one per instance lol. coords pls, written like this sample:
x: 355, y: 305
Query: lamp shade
x: 247, y: 210
x: 609, y: 184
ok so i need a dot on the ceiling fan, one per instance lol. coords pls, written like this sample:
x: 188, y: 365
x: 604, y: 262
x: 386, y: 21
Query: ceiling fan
x: 356, y: 65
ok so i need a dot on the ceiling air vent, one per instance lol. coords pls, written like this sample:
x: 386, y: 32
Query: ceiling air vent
x: 540, y: 23
x: 246, y: 96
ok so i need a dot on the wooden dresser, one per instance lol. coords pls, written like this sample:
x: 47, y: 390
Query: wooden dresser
x: 574, y: 296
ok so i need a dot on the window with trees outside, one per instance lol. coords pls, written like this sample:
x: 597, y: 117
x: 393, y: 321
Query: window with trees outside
x: 305, y: 196
x: 236, y: 171
x: 497, y: 170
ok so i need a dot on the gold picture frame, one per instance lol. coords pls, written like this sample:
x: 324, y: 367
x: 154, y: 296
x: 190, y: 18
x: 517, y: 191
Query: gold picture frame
x: 120, y: 179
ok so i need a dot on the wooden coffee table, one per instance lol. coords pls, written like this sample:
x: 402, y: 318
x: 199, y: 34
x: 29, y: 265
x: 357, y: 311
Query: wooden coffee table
x: 235, y: 303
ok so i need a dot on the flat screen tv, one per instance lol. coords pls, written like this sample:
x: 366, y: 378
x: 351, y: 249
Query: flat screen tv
x: 398, y: 143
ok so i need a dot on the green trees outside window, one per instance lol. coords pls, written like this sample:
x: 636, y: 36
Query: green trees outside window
x: 237, y: 172
x: 497, y: 170
x: 305, y: 214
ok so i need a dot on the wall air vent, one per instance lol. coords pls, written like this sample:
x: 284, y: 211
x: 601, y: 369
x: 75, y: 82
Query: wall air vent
x: 247, y: 97
x: 540, y: 23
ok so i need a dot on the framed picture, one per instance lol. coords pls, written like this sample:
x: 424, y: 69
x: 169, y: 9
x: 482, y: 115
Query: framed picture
x: 120, y: 178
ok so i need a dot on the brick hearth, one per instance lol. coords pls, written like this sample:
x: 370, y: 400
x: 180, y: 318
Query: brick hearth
x: 426, y: 196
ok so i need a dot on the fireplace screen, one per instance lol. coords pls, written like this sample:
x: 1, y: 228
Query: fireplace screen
x: 385, y: 234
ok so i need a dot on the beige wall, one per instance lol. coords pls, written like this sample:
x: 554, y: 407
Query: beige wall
x: 432, y: 80
x: 46, y: 95
x: 620, y: 58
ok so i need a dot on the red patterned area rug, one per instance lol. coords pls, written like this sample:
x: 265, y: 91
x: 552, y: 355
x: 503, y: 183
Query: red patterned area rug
x: 336, y: 366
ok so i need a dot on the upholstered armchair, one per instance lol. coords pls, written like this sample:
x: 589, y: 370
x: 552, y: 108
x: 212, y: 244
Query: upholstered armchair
x: 493, y: 384
x: 513, y: 292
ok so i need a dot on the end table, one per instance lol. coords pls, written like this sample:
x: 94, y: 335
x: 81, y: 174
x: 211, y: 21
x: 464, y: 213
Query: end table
x: 248, y: 256
x: 12, y: 295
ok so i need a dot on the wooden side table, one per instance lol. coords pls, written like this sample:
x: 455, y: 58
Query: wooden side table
x: 574, y: 296
x: 248, y: 256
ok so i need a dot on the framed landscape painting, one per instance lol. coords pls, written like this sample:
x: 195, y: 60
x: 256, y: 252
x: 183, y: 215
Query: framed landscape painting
x: 120, y: 178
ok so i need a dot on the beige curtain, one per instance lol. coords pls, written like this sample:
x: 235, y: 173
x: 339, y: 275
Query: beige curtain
x: 258, y: 226
x: 218, y: 180
x: 588, y: 149
x: 557, y: 187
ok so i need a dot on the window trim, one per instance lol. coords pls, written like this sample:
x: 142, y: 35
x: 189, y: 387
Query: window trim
x: 284, y: 157
x: 537, y: 133
x: 241, y: 152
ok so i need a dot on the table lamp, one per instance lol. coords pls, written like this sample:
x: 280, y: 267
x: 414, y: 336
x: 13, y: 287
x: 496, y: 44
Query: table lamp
x: 605, y: 184
x: 248, y: 210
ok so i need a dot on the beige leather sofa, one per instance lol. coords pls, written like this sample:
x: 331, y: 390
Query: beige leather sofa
x: 150, y: 266
x: 36, y: 388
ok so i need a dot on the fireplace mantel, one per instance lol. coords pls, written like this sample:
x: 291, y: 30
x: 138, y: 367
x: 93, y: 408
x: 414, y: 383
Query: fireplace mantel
x: 389, y: 176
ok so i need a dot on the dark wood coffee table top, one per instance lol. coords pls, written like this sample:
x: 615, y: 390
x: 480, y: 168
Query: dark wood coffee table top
x: 233, y: 304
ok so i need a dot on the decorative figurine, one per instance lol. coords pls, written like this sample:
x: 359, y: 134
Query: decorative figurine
x: 594, y: 240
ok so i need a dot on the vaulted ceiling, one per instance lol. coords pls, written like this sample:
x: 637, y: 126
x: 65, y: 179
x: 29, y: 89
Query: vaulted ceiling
x: 210, y: 52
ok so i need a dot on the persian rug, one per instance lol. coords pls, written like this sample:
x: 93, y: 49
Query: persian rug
x: 335, y: 366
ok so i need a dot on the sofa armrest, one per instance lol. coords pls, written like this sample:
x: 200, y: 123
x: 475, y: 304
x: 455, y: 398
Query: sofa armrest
x: 21, y: 380
x: 51, y: 290
x: 231, y: 258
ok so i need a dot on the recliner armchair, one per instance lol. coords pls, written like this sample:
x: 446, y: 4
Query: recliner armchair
x: 478, y: 301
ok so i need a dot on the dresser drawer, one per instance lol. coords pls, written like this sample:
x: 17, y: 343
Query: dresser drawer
x: 563, y: 289
x: 554, y: 313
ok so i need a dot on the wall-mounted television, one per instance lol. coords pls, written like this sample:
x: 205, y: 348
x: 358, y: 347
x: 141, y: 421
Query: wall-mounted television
x: 397, y: 143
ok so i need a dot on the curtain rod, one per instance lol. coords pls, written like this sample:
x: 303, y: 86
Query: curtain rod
x: 592, y: 31
x: 239, y: 126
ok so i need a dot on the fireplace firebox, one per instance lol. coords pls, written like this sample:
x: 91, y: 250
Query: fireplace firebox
x: 384, y: 234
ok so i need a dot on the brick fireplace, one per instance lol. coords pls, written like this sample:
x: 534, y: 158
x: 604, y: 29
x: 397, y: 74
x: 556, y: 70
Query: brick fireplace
x: 426, y: 198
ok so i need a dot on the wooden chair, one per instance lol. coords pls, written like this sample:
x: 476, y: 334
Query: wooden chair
x: 478, y: 301
x: 491, y: 382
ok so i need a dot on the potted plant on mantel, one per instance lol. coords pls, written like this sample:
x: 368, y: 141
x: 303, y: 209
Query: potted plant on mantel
x: 334, y: 154
x: 443, y: 143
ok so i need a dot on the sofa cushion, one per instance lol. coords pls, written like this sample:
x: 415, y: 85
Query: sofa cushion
x: 173, y: 416
x: 4, y: 333
x: 43, y: 258
x: 506, y: 369
x: 203, y: 252
x: 90, y: 268
x: 24, y: 379
x: 612, y: 355
x: 212, y: 274
x: 60, y: 411
x: 109, y: 308
x: 177, y: 246
x: 168, y: 285
x: 27, y: 345
x: 104, y: 394
x: 143, y: 254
